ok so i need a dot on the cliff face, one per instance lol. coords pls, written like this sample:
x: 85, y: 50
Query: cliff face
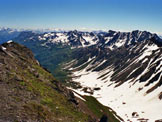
x: 30, y: 93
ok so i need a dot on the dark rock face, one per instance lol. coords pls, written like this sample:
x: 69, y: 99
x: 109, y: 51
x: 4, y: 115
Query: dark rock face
x: 160, y: 96
x: 159, y: 120
x: 104, y: 118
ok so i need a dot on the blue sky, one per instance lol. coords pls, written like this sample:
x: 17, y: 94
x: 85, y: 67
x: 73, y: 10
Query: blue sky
x: 124, y: 15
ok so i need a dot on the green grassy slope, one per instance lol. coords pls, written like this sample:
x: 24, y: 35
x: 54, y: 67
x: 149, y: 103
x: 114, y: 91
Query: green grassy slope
x: 99, y: 110
x: 29, y: 93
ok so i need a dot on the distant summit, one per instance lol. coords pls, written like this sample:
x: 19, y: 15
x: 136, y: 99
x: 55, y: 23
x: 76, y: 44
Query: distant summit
x: 7, y: 34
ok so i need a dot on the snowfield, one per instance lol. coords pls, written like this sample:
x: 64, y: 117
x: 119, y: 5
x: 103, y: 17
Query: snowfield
x: 125, y: 99
x: 128, y: 100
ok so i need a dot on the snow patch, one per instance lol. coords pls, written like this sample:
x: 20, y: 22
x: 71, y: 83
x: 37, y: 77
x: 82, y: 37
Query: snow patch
x: 90, y: 39
x: 125, y: 99
x: 3, y: 48
x: 148, y: 51
x: 79, y: 96
x: 120, y: 43
x: 10, y: 41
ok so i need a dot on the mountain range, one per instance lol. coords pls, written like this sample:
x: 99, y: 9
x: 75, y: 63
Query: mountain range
x: 122, y: 70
